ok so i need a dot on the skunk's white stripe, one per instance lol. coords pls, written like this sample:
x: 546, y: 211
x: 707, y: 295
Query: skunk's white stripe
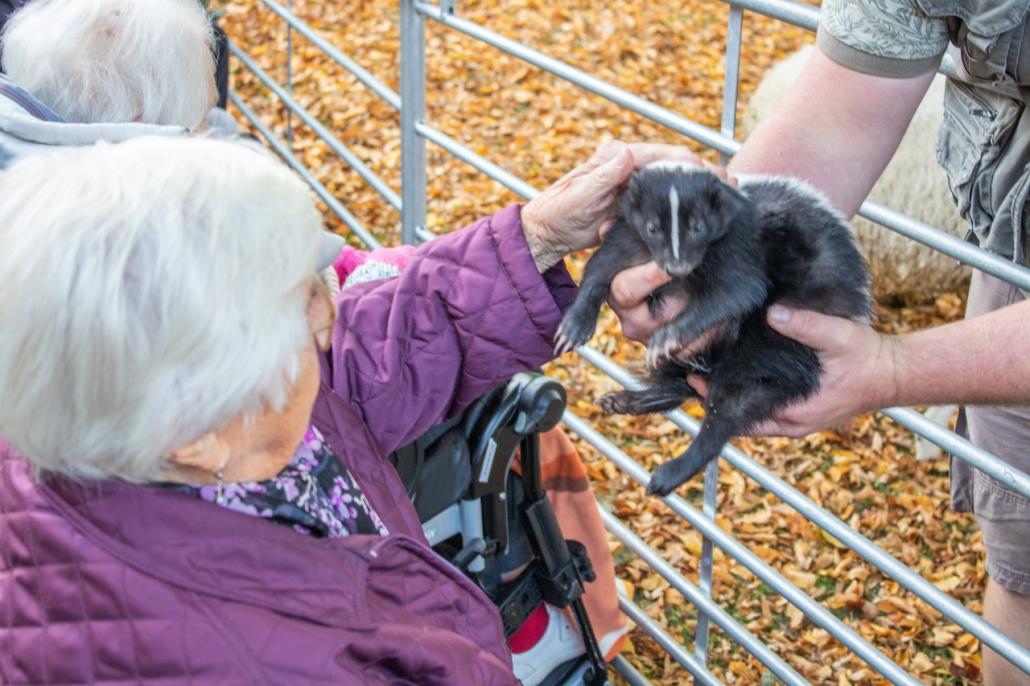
x: 674, y: 210
x: 677, y: 165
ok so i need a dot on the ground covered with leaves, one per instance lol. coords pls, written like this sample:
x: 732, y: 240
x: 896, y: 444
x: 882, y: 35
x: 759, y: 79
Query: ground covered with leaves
x: 538, y: 127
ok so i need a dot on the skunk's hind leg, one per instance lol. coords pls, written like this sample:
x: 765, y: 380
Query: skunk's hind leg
x: 647, y: 400
x: 667, y: 389
x: 731, y: 409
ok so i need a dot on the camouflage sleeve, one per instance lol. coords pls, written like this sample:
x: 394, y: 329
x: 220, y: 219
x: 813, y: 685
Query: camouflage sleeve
x: 881, y: 37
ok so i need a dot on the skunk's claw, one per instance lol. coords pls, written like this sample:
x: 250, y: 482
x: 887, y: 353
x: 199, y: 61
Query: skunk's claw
x: 664, y: 481
x: 662, y: 345
x: 572, y: 333
x: 562, y: 345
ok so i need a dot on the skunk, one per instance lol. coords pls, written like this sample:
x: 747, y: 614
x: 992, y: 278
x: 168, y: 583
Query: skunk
x: 731, y: 253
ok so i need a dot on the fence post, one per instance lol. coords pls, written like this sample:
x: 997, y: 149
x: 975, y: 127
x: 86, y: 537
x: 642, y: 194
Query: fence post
x: 413, y: 105
x: 734, y: 38
x: 729, y: 123
x: 289, y: 76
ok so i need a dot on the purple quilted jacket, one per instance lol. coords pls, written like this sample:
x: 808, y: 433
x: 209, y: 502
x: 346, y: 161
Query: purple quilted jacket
x: 111, y: 583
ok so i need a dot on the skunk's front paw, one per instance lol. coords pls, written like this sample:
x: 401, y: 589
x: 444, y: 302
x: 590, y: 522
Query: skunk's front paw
x: 663, y: 344
x: 575, y: 330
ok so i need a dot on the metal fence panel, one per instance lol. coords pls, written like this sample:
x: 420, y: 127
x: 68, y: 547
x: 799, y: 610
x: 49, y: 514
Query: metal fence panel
x: 412, y: 203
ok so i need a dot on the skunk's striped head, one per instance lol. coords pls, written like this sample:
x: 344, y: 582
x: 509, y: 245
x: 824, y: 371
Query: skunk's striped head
x: 679, y: 209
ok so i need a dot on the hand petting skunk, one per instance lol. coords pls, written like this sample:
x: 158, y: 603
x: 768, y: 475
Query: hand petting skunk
x: 732, y: 253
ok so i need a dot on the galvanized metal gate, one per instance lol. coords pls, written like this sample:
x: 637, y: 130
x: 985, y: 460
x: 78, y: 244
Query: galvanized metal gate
x: 411, y: 202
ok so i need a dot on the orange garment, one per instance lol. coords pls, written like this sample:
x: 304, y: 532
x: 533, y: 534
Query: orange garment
x: 568, y: 489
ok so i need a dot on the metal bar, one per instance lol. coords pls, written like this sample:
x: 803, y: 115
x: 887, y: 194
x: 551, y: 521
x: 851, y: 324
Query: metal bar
x: 816, y: 612
x: 731, y: 82
x: 339, y: 210
x: 671, y: 646
x: 961, y: 250
x: 979, y: 458
x: 702, y: 601
x: 465, y: 154
x: 359, y: 72
x: 988, y: 463
x: 629, y: 672
x: 705, y: 570
x: 895, y: 221
x: 289, y: 76
x: 734, y: 33
x: 805, y: 16
x: 933, y: 596
x: 413, y: 111
x: 341, y: 150
x: 734, y: 36
x: 590, y: 83
x: 424, y: 235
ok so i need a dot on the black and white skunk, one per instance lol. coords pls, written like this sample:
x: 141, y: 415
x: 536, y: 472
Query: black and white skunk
x: 732, y: 253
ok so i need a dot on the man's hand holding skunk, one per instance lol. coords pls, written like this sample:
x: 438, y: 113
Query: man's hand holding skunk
x: 858, y: 364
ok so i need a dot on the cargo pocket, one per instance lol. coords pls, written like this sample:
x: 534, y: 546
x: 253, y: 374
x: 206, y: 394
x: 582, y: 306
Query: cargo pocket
x: 977, y: 125
x: 995, y: 503
x: 1013, y: 212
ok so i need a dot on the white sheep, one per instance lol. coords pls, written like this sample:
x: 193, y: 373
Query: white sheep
x: 913, y: 183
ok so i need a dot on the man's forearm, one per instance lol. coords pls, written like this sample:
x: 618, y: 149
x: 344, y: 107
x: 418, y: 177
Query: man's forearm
x: 836, y: 129
x: 980, y: 361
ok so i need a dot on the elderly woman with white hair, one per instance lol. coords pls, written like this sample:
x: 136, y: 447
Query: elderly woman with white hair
x: 193, y: 486
x: 104, y: 70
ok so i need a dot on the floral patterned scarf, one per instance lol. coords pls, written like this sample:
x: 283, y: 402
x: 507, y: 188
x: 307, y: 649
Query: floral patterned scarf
x: 314, y: 494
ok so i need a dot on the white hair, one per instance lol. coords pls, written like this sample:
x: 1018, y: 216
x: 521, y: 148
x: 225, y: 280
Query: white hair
x: 114, y: 61
x: 151, y: 292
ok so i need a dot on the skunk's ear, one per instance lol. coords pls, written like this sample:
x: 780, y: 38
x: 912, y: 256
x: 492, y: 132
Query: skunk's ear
x: 633, y: 185
x: 729, y: 204
x: 729, y: 200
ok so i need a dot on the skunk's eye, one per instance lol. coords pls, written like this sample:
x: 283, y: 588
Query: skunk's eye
x: 652, y: 228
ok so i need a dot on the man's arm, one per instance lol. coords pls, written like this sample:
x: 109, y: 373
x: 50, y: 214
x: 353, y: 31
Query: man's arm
x: 836, y: 129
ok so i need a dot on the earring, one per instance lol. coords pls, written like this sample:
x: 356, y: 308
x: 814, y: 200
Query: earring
x: 219, y: 488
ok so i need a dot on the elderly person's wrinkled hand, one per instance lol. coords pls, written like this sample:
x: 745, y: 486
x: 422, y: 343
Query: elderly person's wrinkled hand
x: 571, y: 214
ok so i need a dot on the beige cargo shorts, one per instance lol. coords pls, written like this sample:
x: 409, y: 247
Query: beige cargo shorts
x: 1003, y: 516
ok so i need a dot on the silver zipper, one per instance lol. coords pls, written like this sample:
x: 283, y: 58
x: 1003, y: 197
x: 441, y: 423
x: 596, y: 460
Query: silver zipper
x: 986, y: 108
